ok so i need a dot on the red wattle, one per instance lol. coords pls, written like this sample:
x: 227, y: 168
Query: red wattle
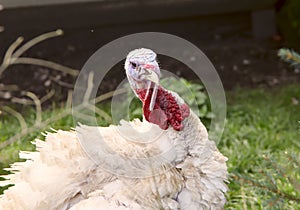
x: 158, y: 117
x: 166, y: 109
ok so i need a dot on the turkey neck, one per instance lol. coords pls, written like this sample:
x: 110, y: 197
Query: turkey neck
x: 167, y: 110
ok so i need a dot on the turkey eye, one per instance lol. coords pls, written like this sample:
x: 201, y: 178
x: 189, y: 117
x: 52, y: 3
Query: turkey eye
x: 133, y: 64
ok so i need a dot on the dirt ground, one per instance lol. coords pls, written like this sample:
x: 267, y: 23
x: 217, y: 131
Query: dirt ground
x: 227, y: 41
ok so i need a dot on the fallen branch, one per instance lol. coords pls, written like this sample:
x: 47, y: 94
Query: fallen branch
x: 12, y: 55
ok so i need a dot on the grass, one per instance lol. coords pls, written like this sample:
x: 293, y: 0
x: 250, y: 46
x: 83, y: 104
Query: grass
x: 261, y: 141
x: 261, y: 134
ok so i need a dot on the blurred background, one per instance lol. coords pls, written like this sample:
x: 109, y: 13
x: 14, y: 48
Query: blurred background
x: 241, y: 38
x: 253, y: 45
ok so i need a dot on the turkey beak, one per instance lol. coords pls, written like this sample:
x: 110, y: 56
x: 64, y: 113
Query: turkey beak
x: 151, y: 77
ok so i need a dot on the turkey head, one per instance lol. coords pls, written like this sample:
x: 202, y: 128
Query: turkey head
x: 160, y: 106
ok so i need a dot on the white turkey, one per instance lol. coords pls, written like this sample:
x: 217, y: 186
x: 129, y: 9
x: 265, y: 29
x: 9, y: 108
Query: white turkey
x: 188, y: 170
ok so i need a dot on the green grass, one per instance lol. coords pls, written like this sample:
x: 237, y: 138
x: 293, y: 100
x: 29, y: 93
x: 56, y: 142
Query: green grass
x: 261, y: 136
x: 261, y: 140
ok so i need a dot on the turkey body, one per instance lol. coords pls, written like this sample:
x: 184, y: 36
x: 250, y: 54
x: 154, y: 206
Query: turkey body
x: 60, y: 175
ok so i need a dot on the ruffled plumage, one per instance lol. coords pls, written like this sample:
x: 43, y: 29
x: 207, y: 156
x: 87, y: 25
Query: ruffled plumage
x: 60, y: 175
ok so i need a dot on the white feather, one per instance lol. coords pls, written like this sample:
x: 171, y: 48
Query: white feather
x: 60, y: 175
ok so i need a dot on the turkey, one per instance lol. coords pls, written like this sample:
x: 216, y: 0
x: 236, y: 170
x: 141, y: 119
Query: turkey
x: 173, y: 166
